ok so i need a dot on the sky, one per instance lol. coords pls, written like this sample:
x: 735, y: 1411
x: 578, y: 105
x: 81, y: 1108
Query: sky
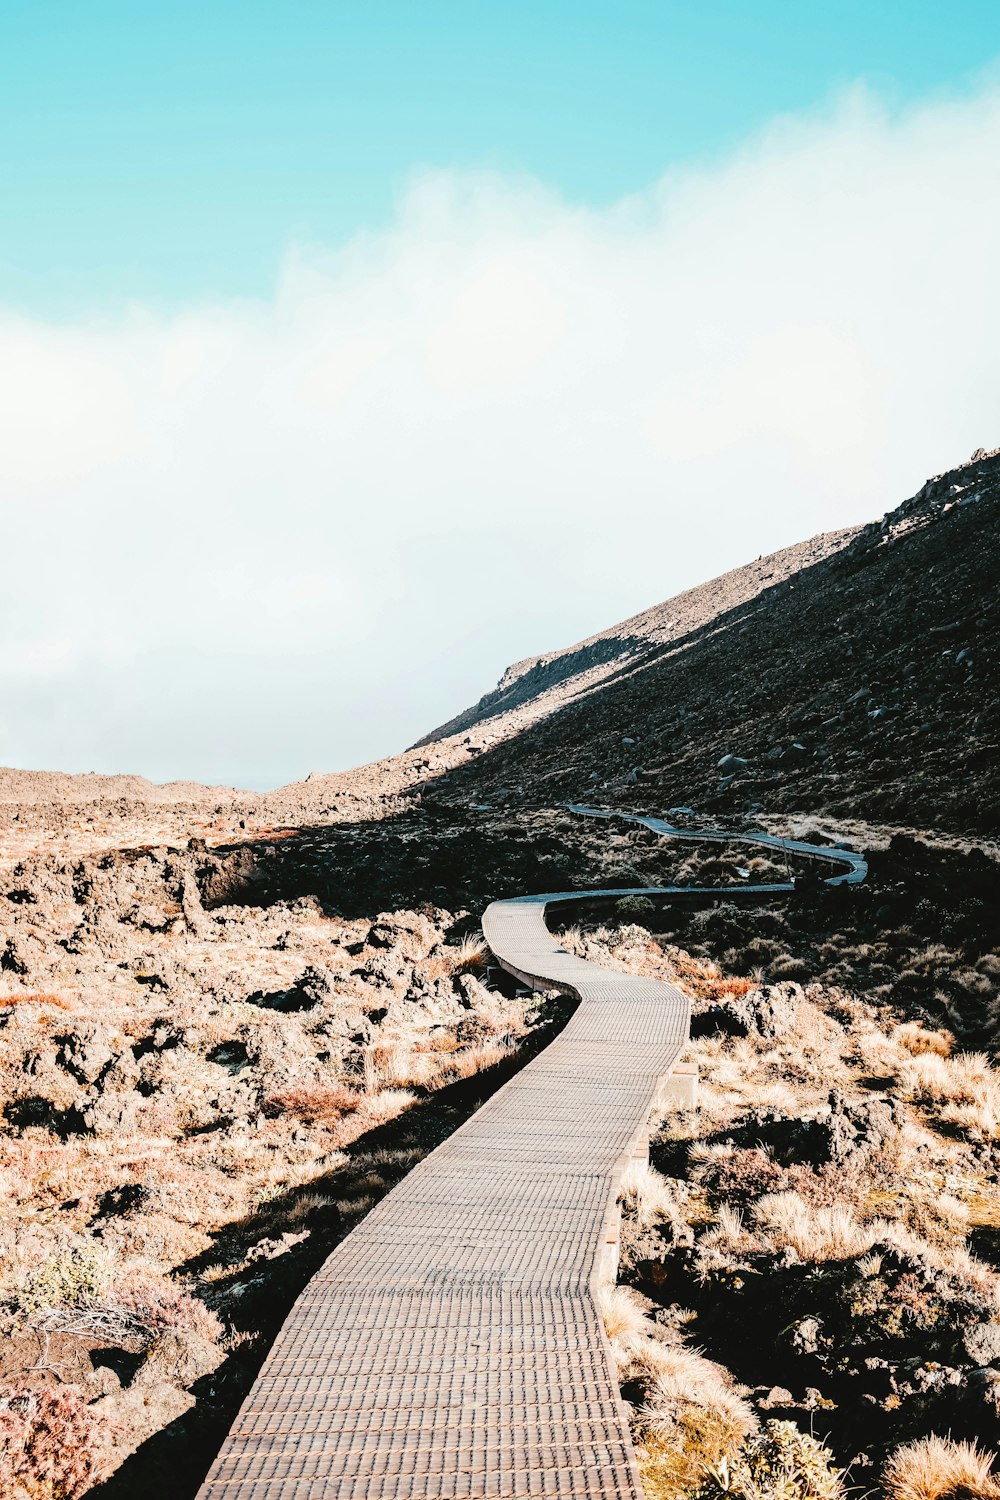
x: 350, y: 352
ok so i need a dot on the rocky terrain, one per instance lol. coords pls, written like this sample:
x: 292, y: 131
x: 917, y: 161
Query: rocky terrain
x: 864, y: 683
x: 229, y: 1021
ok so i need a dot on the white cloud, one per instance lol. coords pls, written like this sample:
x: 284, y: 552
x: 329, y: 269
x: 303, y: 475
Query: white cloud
x: 244, y: 541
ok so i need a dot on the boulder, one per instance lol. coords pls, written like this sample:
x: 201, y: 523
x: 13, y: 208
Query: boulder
x: 982, y: 1343
x: 110, y: 1114
x: 86, y: 1053
x: 807, y: 1336
x: 179, y: 1357
x: 768, y: 1011
x: 979, y: 1404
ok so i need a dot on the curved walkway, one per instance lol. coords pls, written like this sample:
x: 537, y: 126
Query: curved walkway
x: 450, y: 1346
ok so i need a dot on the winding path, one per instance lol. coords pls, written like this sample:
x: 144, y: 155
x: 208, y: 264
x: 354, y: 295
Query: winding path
x: 450, y: 1346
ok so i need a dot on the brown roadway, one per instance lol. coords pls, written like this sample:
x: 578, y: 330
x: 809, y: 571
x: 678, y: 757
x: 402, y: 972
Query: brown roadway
x: 450, y: 1346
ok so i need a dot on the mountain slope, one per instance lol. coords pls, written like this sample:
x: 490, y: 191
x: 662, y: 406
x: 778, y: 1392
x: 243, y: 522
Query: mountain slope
x: 860, y: 679
x: 539, y: 685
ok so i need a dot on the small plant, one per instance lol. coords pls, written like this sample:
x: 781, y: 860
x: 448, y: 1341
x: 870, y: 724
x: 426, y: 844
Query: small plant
x: 634, y: 908
x: 53, y: 1446
x: 780, y: 1463
x: 76, y: 1277
x: 160, y: 1306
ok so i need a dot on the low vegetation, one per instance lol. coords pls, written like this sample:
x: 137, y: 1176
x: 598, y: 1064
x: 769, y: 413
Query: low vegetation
x: 216, y: 1060
x: 198, y: 1100
x: 817, y: 1248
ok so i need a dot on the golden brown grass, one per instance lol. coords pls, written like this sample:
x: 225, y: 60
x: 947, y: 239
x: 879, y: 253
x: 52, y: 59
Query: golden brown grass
x: 918, y: 1039
x: 61, y: 1002
x: 650, y: 1195
x: 934, y: 1467
x: 963, y: 1090
x: 693, y: 1414
x: 314, y: 1103
x: 814, y: 1233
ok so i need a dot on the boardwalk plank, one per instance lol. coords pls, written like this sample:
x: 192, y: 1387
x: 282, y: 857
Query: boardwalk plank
x: 450, y: 1348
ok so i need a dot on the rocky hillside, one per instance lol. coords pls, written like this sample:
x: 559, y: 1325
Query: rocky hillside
x: 539, y: 685
x: 854, y: 677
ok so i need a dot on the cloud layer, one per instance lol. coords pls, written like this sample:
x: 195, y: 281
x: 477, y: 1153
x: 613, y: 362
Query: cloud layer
x: 245, y: 541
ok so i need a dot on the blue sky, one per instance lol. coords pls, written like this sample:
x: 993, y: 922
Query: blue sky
x: 350, y: 353
x: 171, y: 152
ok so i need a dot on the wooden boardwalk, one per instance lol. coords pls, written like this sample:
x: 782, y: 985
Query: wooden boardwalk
x: 450, y: 1346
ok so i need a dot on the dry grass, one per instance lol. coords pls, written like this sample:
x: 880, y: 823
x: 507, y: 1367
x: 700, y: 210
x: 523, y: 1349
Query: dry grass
x: 470, y: 955
x: 396, y: 1063
x: 315, y: 1103
x: 918, y: 1039
x: 622, y: 1315
x: 387, y: 1105
x: 61, y: 1002
x: 786, y: 1221
x: 652, y: 1196
x: 964, y: 1090
x: 815, y: 1234
x: 682, y: 1379
x: 934, y: 1467
x: 467, y: 957
x: 472, y: 1060
x: 692, y: 1414
x: 305, y: 1205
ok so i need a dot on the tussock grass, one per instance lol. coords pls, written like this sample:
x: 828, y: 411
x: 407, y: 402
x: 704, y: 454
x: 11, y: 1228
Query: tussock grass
x: 650, y: 1195
x: 315, y: 1103
x: 622, y: 1315
x: 470, y: 955
x: 46, y: 997
x: 934, y: 1467
x: 387, y: 1104
x: 692, y: 1415
x: 814, y: 1233
x: 918, y: 1039
x: 964, y: 1090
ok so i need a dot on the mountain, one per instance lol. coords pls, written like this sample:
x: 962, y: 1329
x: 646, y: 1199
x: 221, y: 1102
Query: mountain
x: 855, y: 675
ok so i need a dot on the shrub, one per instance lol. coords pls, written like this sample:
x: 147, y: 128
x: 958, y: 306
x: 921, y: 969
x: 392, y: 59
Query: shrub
x: 736, y: 1174
x: 76, y: 1277
x: 53, y: 1446
x: 634, y: 908
x: 159, y: 1306
x: 673, y: 1461
x: 780, y: 1463
x: 934, y: 1466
